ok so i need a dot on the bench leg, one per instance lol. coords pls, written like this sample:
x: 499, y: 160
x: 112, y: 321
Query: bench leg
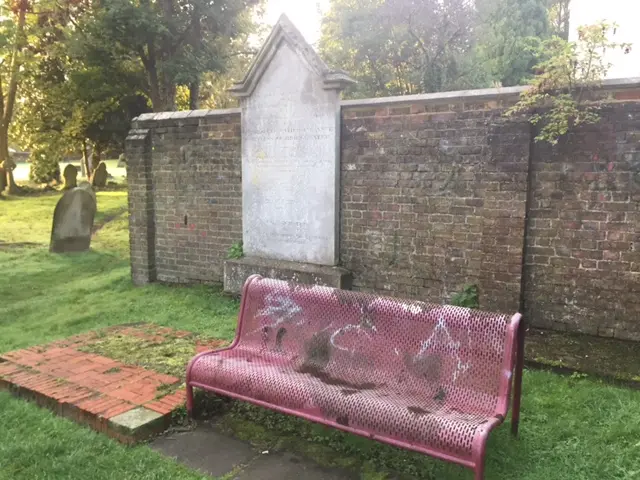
x: 517, y: 381
x: 479, y: 471
x: 189, y: 401
x: 479, y: 446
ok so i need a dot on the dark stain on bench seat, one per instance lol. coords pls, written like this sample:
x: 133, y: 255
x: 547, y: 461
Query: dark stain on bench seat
x: 328, y: 379
x: 417, y: 410
x: 441, y: 395
x: 279, y: 337
x: 346, y: 392
x: 343, y: 420
x: 317, y: 356
x: 317, y: 352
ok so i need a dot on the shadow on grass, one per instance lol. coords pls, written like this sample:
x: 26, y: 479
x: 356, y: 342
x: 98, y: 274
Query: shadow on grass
x: 42, y: 271
x: 8, y: 245
x: 104, y: 217
x: 51, y: 295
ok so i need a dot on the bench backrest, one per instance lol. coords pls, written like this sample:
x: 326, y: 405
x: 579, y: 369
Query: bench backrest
x: 363, y: 341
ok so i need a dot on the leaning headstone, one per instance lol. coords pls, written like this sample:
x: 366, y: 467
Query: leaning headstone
x: 122, y: 161
x: 99, y: 177
x: 73, y: 221
x: 70, y: 175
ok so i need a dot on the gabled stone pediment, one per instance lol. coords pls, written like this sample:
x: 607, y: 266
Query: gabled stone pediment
x: 285, y: 32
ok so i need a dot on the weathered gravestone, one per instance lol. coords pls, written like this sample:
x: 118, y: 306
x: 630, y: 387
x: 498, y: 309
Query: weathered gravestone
x: 70, y: 175
x: 99, y: 177
x: 290, y: 163
x: 122, y: 161
x: 73, y: 221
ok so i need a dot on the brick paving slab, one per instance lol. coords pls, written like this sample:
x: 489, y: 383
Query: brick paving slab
x: 93, y: 389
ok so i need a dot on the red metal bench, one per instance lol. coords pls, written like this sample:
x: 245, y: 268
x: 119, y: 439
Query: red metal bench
x: 430, y: 378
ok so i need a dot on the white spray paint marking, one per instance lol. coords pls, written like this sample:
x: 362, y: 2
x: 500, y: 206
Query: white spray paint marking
x: 451, y: 346
x: 280, y: 309
x: 414, y: 308
x: 365, y: 326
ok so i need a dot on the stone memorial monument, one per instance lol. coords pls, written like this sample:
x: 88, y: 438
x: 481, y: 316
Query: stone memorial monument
x: 73, y: 221
x: 290, y: 103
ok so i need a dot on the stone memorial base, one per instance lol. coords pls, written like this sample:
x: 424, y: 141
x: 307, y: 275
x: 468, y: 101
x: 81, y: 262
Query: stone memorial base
x: 237, y: 271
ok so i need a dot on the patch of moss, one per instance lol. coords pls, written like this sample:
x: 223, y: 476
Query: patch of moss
x: 549, y: 362
x: 327, y: 446
x: 237, y: 470
x: 167, y: 355
x: 602, y: 357
x: 166, y: 389
x: 263, y: 438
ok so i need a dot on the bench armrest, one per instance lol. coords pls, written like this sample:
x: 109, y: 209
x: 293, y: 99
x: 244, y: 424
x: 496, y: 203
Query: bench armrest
x: 512, y: 368
x: 245, y: 296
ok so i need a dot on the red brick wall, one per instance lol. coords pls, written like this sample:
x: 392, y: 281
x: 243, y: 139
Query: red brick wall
x: 195, y: 174
x: 433, y: 198
x: 583, y: 237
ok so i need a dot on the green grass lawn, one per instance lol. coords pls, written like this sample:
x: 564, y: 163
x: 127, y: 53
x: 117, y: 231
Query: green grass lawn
x: 572, y: 428
x: 35, y: 444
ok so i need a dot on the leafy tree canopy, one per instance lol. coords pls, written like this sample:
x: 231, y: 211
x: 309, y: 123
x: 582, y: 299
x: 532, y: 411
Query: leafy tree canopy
x: 397, y: 47
x: 175, y: 41
x: 560, y: 94
x: 505, y: 34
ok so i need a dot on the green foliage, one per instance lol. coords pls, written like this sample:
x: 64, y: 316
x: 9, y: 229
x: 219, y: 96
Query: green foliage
x: 65, y: 98
x: 559, y: 15
x: 172, y: 42
x: 235, y: 251
x: 558, y: 98
x: 506, y: 31
x: 468, y: 297
x: 45, y: 166
x: 398, y: 47
x: 93, y: 66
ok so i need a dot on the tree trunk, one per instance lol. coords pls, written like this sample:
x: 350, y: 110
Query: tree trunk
x: 6, y: 163
x: 196, y: 43
x: 168, y: 95
x: 86, y: 169
x: 162, y: 92
x: 194, y: 95
x: 7, y: 103
x: 4, y: 155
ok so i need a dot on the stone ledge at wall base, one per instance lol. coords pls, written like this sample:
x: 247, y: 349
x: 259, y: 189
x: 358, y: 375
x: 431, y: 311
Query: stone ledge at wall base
x: 238, y: 270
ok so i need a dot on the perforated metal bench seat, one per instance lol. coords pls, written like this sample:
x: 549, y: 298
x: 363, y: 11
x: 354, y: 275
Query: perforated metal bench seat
x: 430, y: 378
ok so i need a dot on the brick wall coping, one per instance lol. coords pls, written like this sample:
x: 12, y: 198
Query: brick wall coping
x: 145, y: 117
x: 483, y: 94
